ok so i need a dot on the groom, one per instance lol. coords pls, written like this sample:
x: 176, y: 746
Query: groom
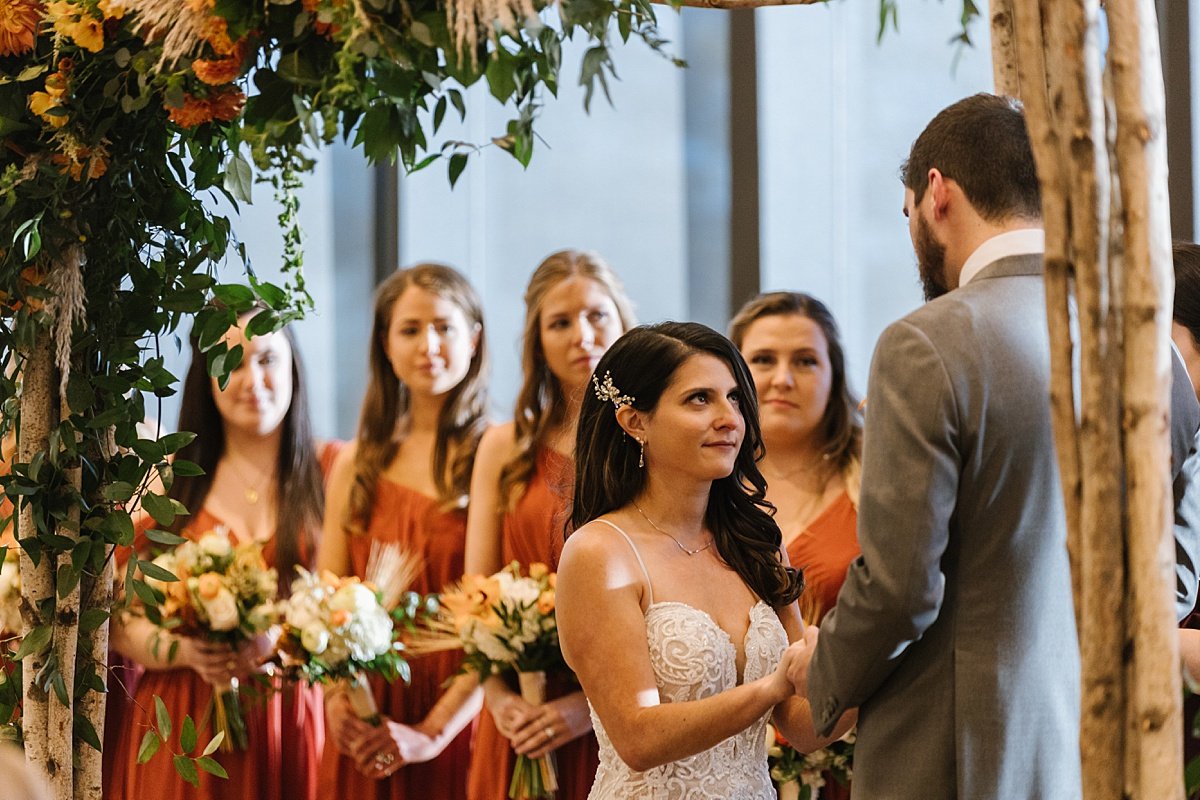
x: 954, y: 632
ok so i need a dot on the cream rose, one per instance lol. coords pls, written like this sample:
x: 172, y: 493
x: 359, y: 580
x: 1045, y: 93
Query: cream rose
x: 221, y: 610
x: 315, y: 638
x: 215, y: 545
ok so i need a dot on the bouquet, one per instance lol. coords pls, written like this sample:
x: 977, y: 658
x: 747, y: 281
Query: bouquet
x: 505, y: 623
x: 225, y: 593
x: 800, y: 776
x: 10, y: 592
x: 344, y: 628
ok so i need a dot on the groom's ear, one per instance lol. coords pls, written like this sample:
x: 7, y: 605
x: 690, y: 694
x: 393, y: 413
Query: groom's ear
x: 632, y: 421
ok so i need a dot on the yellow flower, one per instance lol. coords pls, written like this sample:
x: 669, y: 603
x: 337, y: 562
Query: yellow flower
x: 112, y: 9
x: 76, y: 24
x: 18, y: 26
x: 42, y: 102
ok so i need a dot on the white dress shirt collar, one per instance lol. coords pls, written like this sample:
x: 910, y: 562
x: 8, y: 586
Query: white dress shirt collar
x: 1021, y: 242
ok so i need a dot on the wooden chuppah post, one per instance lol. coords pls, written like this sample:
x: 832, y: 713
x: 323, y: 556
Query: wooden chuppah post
x: 37, y: 582
x: 1140, y: 103
x: 1005, y: 72
x: 1076, y: 86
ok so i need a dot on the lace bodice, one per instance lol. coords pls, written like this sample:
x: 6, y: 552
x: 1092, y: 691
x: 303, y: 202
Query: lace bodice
x: 694, y: 658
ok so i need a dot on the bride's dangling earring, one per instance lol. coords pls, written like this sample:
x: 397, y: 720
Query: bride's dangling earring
x: 642, y: 453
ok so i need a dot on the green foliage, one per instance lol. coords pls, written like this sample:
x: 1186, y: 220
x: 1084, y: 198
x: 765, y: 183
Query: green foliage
x: 889, y: 14
x: 111, y: 151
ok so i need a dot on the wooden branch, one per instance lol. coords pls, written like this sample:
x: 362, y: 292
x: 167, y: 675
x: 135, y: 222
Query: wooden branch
x: 1149, y: 283
x: 1076, y: 86
x: 1058, y: 271
x: 97, y: 593
x: 1005, y: 72
x: 37, y: 582
x: 736, y: 4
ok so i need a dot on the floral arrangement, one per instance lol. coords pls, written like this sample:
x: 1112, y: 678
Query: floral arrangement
x: 339, y: 629
x: 224, y: 593
x: 801, y: 776
x: 10, y: 593
x: 119, y: 119
x: 505, y: 623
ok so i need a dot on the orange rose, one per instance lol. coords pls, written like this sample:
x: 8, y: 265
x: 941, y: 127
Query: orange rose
x: 545, y: 603
x: 538, y: 570
x: 209, y: 585
x: 339, y: 618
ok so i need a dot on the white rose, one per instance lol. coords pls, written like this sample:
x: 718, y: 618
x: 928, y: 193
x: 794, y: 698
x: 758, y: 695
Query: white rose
x: 522, y: 592
x: 315, y: 638
x: 185, y: 556
x: 215, y: 545
x: 222, y: 611
x: 353, y: 597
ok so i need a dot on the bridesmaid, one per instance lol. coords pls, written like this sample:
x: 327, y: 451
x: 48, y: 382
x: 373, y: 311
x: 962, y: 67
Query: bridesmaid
x: 405, y: 481
x: 813, y: 439
x: 575, y: 308
x: 812, y: 435
x: 262, y: 482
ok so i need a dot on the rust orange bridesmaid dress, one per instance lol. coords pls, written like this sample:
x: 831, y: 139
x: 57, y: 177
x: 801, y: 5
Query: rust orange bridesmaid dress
x: 824, y: 550
x: 531, y: 532
x: 285, y: 730
x: 416, y: 523
x: 285, y: 726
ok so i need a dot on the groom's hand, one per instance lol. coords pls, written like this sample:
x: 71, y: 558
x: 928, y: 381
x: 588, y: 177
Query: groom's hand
x: 798, y: 670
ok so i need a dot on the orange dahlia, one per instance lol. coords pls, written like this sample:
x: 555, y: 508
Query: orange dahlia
x: 215, y: 31
x: 218, y: 71
x: 18, y: 25
x: 222, y: 104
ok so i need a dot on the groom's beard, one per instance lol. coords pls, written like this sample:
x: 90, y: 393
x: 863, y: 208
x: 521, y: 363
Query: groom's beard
x: 931, y: 261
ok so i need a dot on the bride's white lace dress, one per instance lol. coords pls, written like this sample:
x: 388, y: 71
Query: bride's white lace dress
x: 693, y: 658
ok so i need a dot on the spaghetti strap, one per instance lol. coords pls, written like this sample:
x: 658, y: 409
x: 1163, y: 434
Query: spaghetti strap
x: 637, y: 555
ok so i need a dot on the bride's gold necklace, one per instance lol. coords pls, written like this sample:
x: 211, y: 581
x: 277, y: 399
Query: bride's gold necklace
x: 678, y: 543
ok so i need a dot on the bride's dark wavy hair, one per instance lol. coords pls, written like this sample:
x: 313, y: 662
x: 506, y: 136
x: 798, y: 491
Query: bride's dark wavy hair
x: 607, y: 476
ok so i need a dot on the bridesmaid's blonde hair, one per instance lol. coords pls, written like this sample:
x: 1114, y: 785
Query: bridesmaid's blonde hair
x: 540, y: 401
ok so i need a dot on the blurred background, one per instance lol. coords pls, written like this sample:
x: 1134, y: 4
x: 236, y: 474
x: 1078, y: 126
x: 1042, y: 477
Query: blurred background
x: 771, y: 162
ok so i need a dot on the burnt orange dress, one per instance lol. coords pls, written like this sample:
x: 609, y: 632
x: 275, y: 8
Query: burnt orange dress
x: 418, y: 525
x: 824, y: 550
x: 285, y: 728
x: 532, y: 532
x: 285, y: 724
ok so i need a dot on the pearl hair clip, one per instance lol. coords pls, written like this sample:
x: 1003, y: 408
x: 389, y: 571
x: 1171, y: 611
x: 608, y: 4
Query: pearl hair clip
x: 606, y: 392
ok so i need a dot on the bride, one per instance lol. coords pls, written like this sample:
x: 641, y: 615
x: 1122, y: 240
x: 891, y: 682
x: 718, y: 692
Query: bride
x: 676, y: 604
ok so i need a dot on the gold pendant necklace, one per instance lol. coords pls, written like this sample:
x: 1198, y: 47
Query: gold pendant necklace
x: 250, y: 492
x: 678, y: 543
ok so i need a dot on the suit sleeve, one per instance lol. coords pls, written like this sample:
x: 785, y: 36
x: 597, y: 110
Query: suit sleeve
x: 894, y: 590
x: 1185, y: 475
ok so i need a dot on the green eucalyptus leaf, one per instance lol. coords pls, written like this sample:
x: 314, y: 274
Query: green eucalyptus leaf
x: 186, y: 768
x: 159, y: 507
x: 187, y: 736
x: 239, y: 178
x: 162, y: 717
x: 150, y: 745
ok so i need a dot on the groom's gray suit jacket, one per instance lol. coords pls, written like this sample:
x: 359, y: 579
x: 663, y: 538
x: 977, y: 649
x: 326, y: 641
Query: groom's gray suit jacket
x: 954, y: 631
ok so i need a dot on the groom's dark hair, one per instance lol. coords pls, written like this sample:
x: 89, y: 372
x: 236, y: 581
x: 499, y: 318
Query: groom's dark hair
x: 982, y: 144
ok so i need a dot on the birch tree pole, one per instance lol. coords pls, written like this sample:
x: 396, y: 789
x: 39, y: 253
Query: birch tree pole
x: 1108, y: 251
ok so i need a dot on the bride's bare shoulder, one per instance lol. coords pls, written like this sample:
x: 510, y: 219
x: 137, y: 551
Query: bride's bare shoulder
x: 594, y: 544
